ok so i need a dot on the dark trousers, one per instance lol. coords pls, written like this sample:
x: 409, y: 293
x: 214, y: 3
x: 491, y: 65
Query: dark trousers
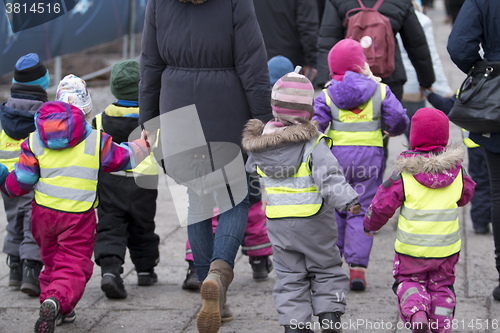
x: 126, y: 219
x: 493, y: 160
x: 480, y: 211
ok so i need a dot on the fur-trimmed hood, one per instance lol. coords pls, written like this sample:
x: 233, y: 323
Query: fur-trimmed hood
x: 430, y: 169
x: 278, y: 154
x: 254, y: 140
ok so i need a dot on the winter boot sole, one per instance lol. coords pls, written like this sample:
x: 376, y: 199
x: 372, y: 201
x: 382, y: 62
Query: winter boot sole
x: 358, y: 285
x: 30, y: 289
x: 15, y: 285
x: 111, y: 289
x: 260, y: 276
x: 209, y: 319
x: 47, y: 321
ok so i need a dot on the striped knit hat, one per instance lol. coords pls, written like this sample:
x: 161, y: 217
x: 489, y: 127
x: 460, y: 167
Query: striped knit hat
x: 293, y: 97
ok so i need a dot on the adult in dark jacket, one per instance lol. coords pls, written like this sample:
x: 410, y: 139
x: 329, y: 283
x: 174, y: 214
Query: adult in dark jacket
x: 290, y: 29
x: 209, y: 53
x: 477, y: 24
x: 403, y: 20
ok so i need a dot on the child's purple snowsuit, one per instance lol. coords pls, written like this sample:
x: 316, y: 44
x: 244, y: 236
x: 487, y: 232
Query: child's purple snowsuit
x: 363, y: 166
x: 424, y: 284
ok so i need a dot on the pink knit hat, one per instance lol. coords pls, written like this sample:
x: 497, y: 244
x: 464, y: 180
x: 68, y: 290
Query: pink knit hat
x: 292, y: 96
x: 346, y: 55
x: 429, y: 129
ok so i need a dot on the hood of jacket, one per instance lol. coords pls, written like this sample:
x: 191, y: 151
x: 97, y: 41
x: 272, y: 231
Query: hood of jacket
x: 61, y: 127
x: 278, y: 154
x: 17, y: 116
x: 354, y: 90
x: 433, y: 170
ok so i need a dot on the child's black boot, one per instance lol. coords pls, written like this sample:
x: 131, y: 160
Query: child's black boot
x: 31, y: 271
x: 330, y: 322
x: 147, y: 278
x: 16, y: 272
x: 191, y: 281
x: 112, y: 283
x: 261, y: 267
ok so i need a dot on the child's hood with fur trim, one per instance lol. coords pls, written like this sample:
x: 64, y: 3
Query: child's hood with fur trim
x: 278, y: 154
x: 430, y: 169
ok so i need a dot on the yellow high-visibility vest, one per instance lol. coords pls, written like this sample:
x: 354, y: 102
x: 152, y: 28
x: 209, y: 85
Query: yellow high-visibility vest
x: 295, y: 196
x: 358, y: 129
x: 428, y: 223
x: 10, y: 150
x: 68, y: 177
x: 147, y: 167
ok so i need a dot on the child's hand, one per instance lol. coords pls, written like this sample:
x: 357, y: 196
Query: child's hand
x: 144, y: 135
x: 368, y: 233
x: 356, y: 209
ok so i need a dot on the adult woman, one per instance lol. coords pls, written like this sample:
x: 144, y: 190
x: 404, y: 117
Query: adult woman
x: 476, y: 25
x: 209, y: 53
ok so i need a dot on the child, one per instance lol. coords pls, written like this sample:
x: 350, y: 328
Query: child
x: 30, y: 81
x: 304, y: 184
x: 126, y: 210
x: 429, y: 185
x: 354, y: 105
x: 61, y: 160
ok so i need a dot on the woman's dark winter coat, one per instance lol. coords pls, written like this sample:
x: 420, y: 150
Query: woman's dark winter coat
x: 401, y: 14
x: 477, y: 23
x: 208, y: 53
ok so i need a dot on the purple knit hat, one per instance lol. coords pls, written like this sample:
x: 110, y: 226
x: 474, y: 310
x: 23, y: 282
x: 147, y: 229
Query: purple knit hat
x: 292, y: 97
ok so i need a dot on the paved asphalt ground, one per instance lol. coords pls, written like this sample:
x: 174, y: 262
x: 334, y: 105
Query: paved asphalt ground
x: 165, y: 307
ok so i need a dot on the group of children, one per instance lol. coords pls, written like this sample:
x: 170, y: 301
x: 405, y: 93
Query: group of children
x: 324, y: 193
x: 51, y: 161
x: 325, y: 196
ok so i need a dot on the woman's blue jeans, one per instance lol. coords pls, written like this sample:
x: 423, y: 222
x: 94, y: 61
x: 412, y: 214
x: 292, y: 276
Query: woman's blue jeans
x: 224, y: 245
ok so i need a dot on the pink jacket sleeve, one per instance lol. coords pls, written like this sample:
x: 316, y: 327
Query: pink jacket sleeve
x: 388, y: 198
x: 467, y: 191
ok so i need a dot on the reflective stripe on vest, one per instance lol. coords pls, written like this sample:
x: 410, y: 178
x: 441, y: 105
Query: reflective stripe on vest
x: 428, y: 223
x: 10, y: 150
x: 357, y: 129
x: 468, y: 142
x: 147, y: 167
x: 68, y: 177
x: 295, y: 196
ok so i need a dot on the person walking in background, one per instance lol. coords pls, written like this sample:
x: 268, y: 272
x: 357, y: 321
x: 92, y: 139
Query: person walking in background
x: 403, y: 21
x: 353, y: 105
x: 28, y: 93
x: 304, y: 183
x: 224, y: 74
x: 476, y: 27
x: 126, y: 209
x: 413, y: 99
x: 455, y: 6
x: 429, y: 185
x: 480, y: 211
x: 290, y: 29
x: 61, y: 160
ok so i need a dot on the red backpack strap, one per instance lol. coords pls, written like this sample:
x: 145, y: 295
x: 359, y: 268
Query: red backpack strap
x: 379, y: 2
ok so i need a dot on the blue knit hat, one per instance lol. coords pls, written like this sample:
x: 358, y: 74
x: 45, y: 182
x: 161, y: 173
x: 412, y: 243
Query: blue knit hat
x: 278, y: 67
x: 30, y: 70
